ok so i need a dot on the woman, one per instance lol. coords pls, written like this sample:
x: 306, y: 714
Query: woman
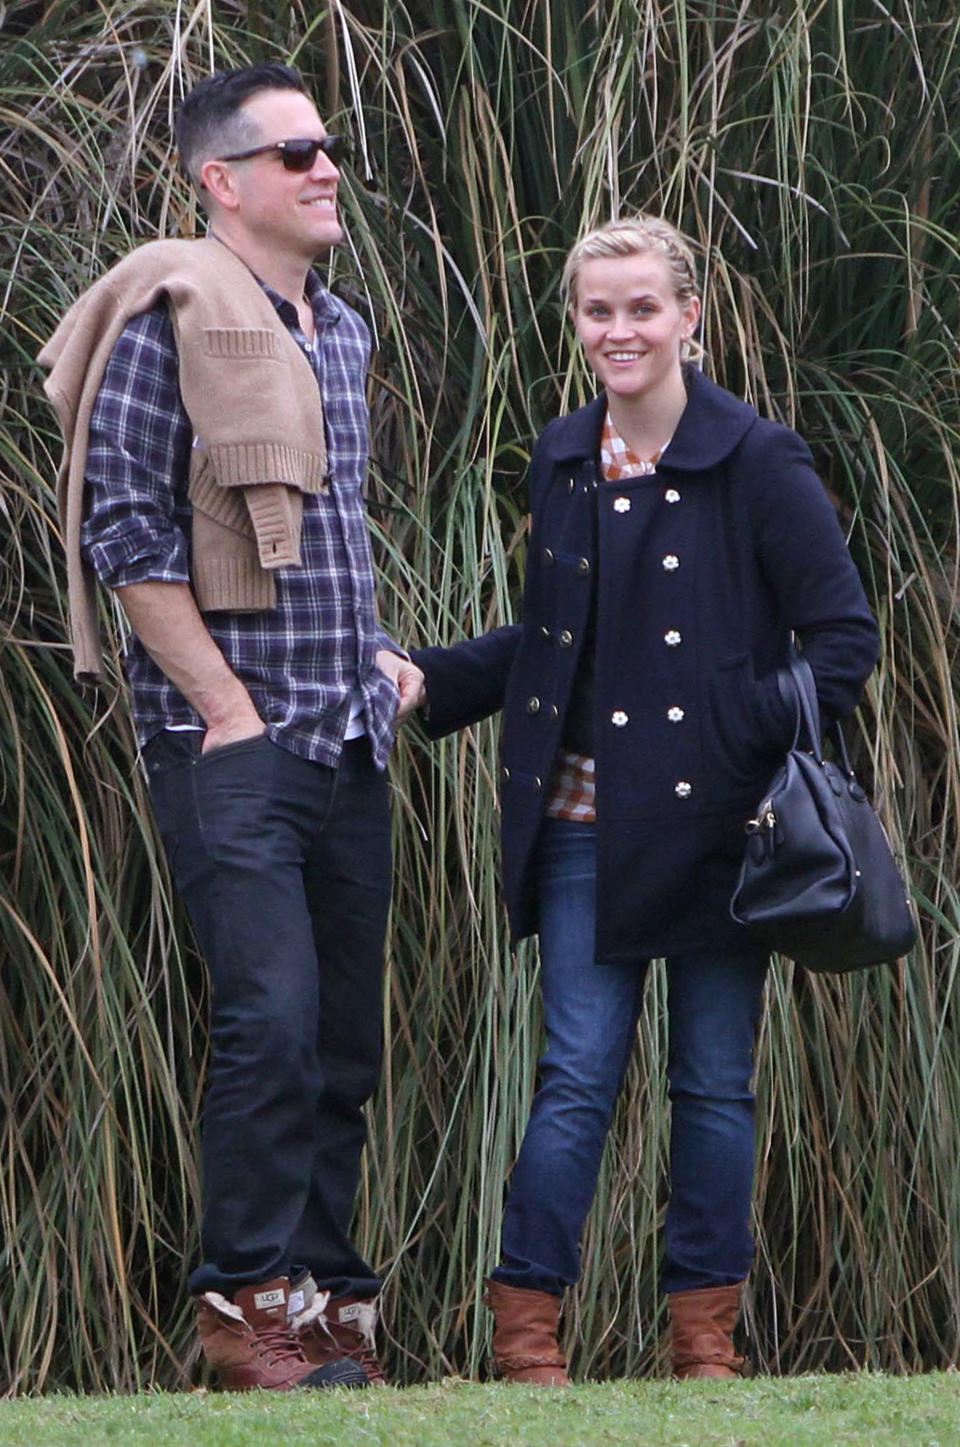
x: 677, y: 540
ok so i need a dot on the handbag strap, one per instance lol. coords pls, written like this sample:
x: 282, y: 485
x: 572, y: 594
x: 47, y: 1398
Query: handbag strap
x: 798, y: 689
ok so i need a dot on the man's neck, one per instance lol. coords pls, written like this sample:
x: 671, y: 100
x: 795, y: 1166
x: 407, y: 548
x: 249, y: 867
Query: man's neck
x: 287, y: 275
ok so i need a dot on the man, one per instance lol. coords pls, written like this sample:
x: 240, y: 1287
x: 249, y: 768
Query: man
x: 212, y: 395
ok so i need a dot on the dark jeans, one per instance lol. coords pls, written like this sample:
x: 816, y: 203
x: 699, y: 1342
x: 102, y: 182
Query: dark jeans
x: 284, y: 866
x: 591, y: 1010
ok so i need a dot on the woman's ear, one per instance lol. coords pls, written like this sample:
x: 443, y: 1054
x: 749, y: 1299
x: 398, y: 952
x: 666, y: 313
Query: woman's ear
x: 691, y: 317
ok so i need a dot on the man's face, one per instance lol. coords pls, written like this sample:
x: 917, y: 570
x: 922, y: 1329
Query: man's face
x: 293, y: 211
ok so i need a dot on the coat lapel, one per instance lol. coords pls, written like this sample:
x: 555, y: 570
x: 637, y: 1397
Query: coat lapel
x: 712, y: 425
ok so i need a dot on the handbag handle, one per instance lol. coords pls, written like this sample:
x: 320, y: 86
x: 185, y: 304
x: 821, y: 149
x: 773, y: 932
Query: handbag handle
x: 797, y: 687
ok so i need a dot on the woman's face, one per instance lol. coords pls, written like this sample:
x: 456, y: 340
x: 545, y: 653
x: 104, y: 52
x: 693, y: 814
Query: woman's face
x: 631, y: 324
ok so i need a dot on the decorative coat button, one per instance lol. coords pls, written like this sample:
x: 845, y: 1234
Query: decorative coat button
x: 533, y: 705
x: 621, y: 504
x: 671, y: 563
x: 538, y: 782
x: 544, y: 631
x: 675, y: 714
x: 583, y: 567
x: 505, y: 774
x: 571, y: 484
x: 548, y: 556
x: 672, y: 638
x: 619, y: 719
x: 554, y: 711
x: 671, y: 495
x: 683, y: 790
x: 565, y: 638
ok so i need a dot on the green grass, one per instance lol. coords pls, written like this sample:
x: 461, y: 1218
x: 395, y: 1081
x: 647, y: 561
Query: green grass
x: 813, y: 153
x: 863, y: 1410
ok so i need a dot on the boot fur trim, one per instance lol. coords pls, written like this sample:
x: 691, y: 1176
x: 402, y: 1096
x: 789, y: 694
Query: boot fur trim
x: 222, y: 1306
x: 314, y: 1309
x: 362, y: 1315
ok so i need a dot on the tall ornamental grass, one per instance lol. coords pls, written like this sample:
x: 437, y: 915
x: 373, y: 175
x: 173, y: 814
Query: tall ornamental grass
x: 811, y: 153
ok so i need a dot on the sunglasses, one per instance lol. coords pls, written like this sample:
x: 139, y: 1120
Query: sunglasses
x: 297, y: 155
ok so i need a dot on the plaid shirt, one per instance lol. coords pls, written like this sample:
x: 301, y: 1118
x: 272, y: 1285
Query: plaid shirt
x: 304, y: 660
x: 573, y: 789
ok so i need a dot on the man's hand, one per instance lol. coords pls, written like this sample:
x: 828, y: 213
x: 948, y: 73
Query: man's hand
x: 166, y: 619
x: 233, y: 730
x: 407, y: 677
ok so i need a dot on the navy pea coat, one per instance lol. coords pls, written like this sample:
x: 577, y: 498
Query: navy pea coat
x: 701, y: 572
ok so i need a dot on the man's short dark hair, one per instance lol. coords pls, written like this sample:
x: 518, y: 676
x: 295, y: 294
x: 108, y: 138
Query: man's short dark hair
x: 210, y: 121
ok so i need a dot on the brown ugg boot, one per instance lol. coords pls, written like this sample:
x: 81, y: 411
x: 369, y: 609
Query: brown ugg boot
x: 331, y: 1328
x: 701, y: 1332
x: 525, y: 1346
x: 249, y: 1343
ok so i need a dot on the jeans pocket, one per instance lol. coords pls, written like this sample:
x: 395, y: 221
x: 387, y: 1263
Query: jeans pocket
x: 169, y: 759
x: 231, y: 750
x: 170, y: 749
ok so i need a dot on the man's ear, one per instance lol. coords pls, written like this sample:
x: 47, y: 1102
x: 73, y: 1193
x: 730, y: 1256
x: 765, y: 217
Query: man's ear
x: 218, y: 181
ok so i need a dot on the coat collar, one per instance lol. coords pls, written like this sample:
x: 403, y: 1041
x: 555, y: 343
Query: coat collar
x: 712, y: 425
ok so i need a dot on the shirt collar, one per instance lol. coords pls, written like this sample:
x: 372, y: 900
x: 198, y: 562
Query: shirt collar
x: 618, y: 460
x: 325, y: 309
x: 324, y: 304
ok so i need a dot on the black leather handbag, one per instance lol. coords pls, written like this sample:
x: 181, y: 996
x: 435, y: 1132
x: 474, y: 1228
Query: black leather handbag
x: 818, y: 881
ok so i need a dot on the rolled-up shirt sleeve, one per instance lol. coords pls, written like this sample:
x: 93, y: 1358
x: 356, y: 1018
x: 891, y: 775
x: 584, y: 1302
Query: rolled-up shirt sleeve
x: 136, y: 514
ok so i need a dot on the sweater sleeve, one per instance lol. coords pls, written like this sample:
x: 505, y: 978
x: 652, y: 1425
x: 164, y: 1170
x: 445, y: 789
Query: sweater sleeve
x: 135, y: 513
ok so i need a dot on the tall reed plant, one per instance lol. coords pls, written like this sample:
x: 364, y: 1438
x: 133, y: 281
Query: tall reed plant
x: 811, y: 154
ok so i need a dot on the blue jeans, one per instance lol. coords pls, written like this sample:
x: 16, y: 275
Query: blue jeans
x: 590, y: 1013
x: 284, y: 866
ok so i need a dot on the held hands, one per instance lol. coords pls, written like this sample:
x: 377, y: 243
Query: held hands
x: 408, y: 679
x: 241, y: 720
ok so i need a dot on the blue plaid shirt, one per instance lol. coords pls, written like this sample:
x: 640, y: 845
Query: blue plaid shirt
x: 304, y: 660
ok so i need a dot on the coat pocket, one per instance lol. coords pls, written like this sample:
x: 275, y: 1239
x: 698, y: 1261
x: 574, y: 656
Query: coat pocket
x: 746, y: 731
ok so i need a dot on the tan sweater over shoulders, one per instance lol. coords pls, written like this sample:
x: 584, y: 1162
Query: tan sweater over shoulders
x: 253, y: 402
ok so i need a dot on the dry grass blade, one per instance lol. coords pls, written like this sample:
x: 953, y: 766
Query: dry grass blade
x: 811, y: 153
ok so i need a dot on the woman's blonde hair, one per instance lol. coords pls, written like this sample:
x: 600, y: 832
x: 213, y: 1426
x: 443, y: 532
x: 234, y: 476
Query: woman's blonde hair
x: 630, y: 237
